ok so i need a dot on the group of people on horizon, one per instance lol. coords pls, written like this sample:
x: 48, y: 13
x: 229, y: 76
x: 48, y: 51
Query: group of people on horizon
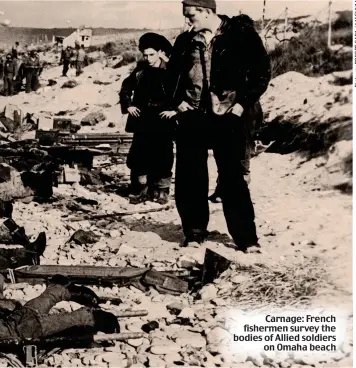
x: 18, y: 65
x: 73, y: 58
x: 203, y: 93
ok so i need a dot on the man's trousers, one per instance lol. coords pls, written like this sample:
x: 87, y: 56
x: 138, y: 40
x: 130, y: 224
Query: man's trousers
x: 33, y: 319
x: 151, y: 153
x: 225, y: 135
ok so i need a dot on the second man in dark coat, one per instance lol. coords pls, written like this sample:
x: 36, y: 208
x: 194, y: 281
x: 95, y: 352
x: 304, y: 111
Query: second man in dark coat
x: 144, y: 97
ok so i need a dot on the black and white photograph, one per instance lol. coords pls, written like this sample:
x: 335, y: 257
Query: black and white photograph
x: 176, y: 183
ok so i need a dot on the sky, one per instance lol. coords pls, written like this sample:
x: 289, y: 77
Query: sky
x: 159, y: 14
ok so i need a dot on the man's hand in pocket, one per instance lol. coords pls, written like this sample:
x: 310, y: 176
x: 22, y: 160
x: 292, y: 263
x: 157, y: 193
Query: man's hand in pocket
x: 237, y: 110
x: 184, y: 106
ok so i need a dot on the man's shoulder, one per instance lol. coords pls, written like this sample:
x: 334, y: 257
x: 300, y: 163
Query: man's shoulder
x: 183, y: 38
x: 240, y: 23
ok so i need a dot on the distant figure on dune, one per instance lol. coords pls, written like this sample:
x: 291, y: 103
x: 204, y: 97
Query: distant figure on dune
x: 80, y: 60
x: 32, y: 68
x: 102, y: 58
x: 15, y: 50
x: 65, y: 60
x: 9, y: 75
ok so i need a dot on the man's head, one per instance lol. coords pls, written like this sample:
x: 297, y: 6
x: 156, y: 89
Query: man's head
x: 8, y: 56
x: 17, y: 43
x: 199, y: 13
x: 152, y: 46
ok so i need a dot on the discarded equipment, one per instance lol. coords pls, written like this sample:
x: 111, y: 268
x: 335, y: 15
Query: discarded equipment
x: 118, y: 214
x: 28, y: 348
x: 92, y: 275
x: 163, y: 281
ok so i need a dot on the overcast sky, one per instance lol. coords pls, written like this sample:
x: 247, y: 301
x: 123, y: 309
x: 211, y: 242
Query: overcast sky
x: 143, y: 14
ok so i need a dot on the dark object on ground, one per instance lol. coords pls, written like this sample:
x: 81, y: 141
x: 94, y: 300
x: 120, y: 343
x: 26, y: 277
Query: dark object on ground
x: 92, y: 275
x: 19, y: 237
x: 165, y: 282
x: 84, y: 237
x: 150, y: 326
x: 86, y: 201
x: 79, y: 294
x: 6, y: 208
x: 40, y: 182
x: 70, y: 84
x: 214, y: 266
x: 93, y: 118
x: 118, y: 214
x: 181, y: 321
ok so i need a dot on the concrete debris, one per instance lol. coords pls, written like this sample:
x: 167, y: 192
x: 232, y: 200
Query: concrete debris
x: 93, y: 118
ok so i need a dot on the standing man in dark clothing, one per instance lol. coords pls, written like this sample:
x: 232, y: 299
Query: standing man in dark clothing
x: 9, y: 75
x: 80, y: 60
x: 65, y: 59
x: 33, y: 319
x: 32, y: 67
x: 219, y: 70
x: 144, y: 97
x: 253, y: 124
x: 15, y: 50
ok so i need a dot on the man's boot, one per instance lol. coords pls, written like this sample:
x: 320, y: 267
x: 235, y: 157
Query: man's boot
x: 163, y: 196
x: 19, y: 237
x: 79, y: 294
x: 216, y: 196
x: 105, y: 322
x: 141, y: 197
x: 195, y: 237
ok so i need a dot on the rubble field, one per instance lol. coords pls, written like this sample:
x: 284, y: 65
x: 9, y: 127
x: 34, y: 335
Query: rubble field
x: 304, y: 225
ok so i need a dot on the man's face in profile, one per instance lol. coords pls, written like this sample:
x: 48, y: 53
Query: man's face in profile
x: 196, y: 17
x: 151, y: 56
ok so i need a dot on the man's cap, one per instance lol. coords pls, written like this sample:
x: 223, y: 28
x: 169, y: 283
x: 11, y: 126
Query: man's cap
x: 210, y: 4
x: 154, y: 41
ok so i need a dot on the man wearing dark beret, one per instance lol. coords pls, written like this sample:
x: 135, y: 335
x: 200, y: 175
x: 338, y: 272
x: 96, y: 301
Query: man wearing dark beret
x: 144, y: 97
x: 218, y: 71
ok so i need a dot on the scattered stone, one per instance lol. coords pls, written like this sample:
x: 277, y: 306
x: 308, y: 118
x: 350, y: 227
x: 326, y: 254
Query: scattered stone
x: 166, y: 348
x: 126, y: 249
x: 155, y: 361
x: 256, y: 360
x: 239, y: 279
x: 187, y: 338
x: 175, y: 308
x: 135, y: 342
x: 112, y: 358
x: 208, y: 292
x: 187, y: 313
x: 217, y: 335
x: 93, y: 118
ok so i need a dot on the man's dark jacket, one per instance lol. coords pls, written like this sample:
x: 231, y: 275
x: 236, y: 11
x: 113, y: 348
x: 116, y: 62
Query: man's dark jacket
x: 239, y: 63
x: 9, y: 68
x: 145, y: 88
